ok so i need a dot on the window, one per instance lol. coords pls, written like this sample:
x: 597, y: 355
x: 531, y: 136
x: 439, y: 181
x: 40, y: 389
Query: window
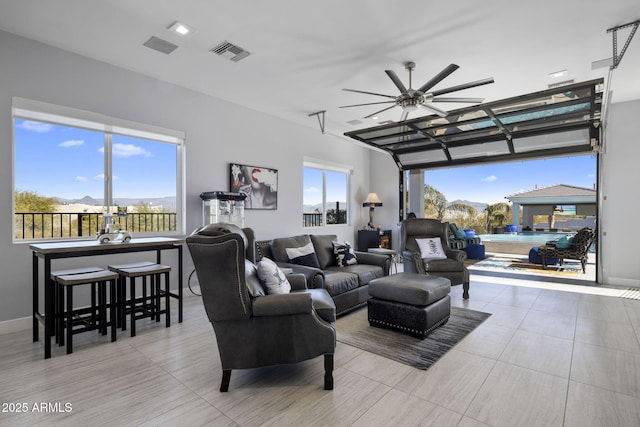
x: 71, y: 167
x: 326, y: 195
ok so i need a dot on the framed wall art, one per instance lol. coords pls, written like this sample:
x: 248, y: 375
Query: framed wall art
x: 260, y: 184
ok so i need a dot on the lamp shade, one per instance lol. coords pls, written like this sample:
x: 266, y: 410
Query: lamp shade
x: 372, y: 200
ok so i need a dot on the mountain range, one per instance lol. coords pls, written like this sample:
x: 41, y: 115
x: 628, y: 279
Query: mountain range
x: 165, y: 202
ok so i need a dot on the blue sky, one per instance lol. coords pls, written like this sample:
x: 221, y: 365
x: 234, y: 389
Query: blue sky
x: 67, y: 162
x: 488, y: 183
x: 492, y: 183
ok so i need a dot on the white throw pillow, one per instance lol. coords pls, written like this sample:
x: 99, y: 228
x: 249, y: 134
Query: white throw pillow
x: 431, y: 249
x: 272, y: 278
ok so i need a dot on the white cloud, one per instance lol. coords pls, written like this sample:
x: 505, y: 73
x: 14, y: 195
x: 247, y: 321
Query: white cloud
x: 490, y: 178
x: 312, y: 190
x: 35, y: 126
x: 129, y: 150
x: 71, y: 143
x: 80, y: 179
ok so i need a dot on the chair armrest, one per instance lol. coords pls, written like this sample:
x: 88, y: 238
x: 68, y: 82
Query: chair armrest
x: 282, y: 305
x: 298, y: 282
x: 314, y: 276
x: 412, y: 262
x: 456, y: 254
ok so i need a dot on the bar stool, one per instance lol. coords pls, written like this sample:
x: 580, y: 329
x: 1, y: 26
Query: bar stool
x: 148, y: 304
x: 88, y: 318
x: 59, y: 304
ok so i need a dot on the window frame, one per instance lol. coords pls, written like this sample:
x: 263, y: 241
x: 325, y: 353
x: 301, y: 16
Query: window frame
x: 26, y: 109
x: 325, y: 167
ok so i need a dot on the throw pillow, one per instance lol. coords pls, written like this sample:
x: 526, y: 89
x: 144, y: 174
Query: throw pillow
x: 460, y: 234
x: 272, y: 278
x: 344, y: 254
x: 304, y: 255
x: 251, y: 279
x: 564, y: 242
x: 431, y: 249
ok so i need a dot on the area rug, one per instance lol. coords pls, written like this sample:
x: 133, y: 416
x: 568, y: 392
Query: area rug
x: 523, y: 265
x: 353, y: 329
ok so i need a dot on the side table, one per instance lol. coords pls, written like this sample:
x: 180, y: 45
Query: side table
x: 391, y: 253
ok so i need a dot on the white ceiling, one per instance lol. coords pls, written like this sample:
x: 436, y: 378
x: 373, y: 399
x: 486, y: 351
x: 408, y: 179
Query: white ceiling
x: 304, y: 52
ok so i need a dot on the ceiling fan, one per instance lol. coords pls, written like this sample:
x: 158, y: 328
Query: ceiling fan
x: 411, y: 99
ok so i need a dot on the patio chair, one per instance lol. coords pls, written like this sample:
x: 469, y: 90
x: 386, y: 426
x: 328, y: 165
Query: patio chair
x: 579, y: 249
x: 458, y: 239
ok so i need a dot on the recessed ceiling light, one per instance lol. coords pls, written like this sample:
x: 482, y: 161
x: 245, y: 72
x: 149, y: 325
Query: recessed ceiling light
x: 374, y: 118
x: 557, y: 74
x: 180, y: 28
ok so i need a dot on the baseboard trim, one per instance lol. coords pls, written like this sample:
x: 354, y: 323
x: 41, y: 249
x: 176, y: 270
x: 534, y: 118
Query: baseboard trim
x: 16, y: 325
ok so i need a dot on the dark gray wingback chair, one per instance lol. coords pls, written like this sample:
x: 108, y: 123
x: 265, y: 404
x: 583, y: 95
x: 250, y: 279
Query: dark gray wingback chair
x: 265, y: 330
x: 452, y: 268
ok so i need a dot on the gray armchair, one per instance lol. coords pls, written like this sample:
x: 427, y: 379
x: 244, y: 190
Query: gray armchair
x: 452, y: 267
x: 264, y: 330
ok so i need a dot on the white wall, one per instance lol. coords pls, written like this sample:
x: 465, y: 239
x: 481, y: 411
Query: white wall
x: 620, y: 207
x: 217, y: 132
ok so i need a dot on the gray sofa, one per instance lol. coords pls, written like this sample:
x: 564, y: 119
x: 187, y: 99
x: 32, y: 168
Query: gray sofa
x: 347, y: 285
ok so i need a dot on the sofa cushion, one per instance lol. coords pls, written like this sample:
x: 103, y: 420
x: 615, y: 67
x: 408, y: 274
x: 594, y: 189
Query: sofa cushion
x: 364, y: 272
x: 337, y: 281
x: 323, y: 244
x: 304, y: 255
x: 343, y: 252
x: 272, y: 278
x: 431, y: 248
x: 279, y: 246
x: 252, y: 280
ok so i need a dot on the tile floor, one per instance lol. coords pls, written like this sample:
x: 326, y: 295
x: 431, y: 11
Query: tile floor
x: 550, y: 355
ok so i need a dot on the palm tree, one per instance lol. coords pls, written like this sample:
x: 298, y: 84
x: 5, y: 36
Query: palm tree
x: 498, y: 214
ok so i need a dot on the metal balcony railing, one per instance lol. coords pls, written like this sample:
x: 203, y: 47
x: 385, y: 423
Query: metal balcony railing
x: 41, y: 225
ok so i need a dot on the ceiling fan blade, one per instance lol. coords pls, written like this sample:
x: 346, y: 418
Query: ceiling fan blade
x: 405, y: 114
x: 370, y: 93
x: 433, y: 109
x: 370, y: 103
x: 468, y: 100
x: 378, y: 112
x: 438, y: 78
x: 462, y: 86
x: 396, y: 81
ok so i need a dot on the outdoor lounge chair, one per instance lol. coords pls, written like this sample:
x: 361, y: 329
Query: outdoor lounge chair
x: 579, y: 249
x: 457, y: 241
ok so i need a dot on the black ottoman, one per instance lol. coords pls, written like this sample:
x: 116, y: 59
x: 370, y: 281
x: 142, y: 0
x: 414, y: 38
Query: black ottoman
x: 411, y: 302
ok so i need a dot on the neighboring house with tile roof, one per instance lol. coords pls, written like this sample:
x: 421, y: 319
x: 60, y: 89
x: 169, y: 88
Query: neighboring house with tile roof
x: 543, y: 201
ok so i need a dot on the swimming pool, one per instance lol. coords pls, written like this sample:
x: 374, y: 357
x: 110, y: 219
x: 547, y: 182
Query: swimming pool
x: 522, y: 237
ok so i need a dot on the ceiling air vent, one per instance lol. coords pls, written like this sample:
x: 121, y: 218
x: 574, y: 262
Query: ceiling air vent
x: 160, y: 45
x: 231, y: 51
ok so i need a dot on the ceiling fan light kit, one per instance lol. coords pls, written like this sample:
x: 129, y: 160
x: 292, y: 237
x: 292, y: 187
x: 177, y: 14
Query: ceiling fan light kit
x: 411, y: 100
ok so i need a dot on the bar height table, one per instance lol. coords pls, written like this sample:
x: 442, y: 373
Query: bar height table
x: 84, y: 248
